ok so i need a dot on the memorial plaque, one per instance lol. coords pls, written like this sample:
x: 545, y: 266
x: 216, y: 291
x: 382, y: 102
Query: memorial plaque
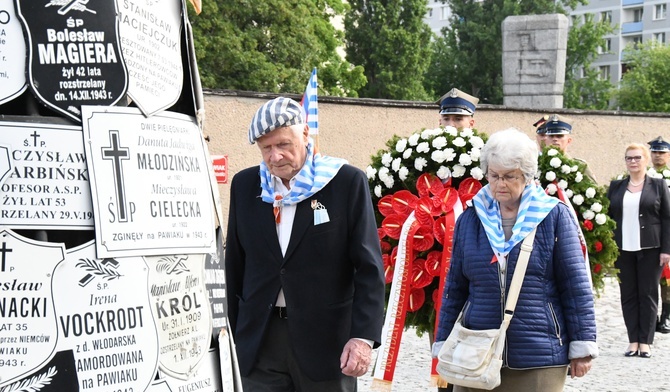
x: 150, y: 34
x: 57, y: 375
x: 47, y: 187
x: 104, y: 317
x: 5, y: 162
x: 74, y: 53
x: 206, y: 379
x: 182, y: 312
x: 28, y: 329
x: 12, y: 53
x: 150, y: 183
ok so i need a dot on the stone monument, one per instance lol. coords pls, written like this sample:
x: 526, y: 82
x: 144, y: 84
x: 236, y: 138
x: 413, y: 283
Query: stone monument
x: 534, y: 51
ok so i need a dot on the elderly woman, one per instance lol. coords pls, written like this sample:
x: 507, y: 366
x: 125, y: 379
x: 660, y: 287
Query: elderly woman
x: 640, y: 206
x: 554, y: 321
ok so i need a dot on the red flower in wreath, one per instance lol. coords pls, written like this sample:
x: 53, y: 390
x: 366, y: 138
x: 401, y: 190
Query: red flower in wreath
x: 597, y: 268
x: 598, y: 246
x: 588, y: 225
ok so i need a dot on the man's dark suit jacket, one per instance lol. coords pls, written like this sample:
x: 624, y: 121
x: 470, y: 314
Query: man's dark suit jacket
x: 332, y: 273
x: 654, y: 214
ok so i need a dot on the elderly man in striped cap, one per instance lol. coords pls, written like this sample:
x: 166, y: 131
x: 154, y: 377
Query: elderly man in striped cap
x: 304, y: 272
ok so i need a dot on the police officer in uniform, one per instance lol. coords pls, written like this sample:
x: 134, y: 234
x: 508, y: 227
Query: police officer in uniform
x: 457, y: 109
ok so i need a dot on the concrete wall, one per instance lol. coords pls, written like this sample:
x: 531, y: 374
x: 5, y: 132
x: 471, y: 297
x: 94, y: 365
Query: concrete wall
x: 355, y: 129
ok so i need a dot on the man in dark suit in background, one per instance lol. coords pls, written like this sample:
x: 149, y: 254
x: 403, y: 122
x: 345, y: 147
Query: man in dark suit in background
x: 304, y: 272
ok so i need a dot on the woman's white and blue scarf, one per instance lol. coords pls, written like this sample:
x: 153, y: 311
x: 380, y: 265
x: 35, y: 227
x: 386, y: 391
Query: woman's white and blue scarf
x: 315, y: 174
x: 534, y: 207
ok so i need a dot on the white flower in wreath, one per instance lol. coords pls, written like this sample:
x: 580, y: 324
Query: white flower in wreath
x: 574, y: 168
x: 386, y: 159
x: 477, y: 142
x: 467, y: 132
x: 477, y: 173
x: 651, y: 172
x: 578, y: 200
x: 451, y: 131
x: 370, y: 172
x: 383, y: 173
x: 475, y: 153
x: 423, y: 147
x: 389, y: 181
x: 569, y: 193
x: 596, y: 207
x: 407, y: 153
x: 449, y: 154
x: 458, y: 171
x: 552, y: 188
x: 465, y: 160
x: 401, y: 145
x: 601, y: 219
x: 438, y: 156
x: 588, y: 215
x: 555, y: 162
x: 550, y: 176
x: 439, y: 142
x: 579, y: 177
x: 395, y: 165
x: 459, y: 142
x: 619, y: 177
x: 563, y: 184
x: 414, y: 139
x: 552, y: 152
x: 565, y: 169
x: 378, y: 190
x: 428, y: 133
x: 590, y: 192
x: 443, y: 173
x: 420, y: 163
x: 402, y: 173
x: 666, y: 173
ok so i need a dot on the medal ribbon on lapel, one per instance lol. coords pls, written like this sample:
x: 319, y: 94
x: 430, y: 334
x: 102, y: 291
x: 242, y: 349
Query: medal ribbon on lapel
x: 276, y: 208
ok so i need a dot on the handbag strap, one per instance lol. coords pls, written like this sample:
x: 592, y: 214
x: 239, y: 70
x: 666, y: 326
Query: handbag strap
x: 519, y: 274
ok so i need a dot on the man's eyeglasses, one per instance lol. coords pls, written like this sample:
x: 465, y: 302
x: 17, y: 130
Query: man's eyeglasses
x: 636, y: 158
x: 507, y: 178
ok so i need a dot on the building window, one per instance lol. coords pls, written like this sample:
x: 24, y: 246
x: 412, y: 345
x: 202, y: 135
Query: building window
x: 606, y: 16
x: 660, y: 11
x: 637, y: 15
x: 604, y: 71
x: 606, y: 47
x: 445, y: 13
x: 659, y: 37
x: 430, y: 12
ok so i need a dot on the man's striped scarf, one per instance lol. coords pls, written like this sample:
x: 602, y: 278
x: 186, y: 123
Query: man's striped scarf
x: 315, y: 174
x: 535, y: 206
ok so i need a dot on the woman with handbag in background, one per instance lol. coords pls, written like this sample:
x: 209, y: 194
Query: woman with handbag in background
x: 553, y: 323
x: 640, y: 206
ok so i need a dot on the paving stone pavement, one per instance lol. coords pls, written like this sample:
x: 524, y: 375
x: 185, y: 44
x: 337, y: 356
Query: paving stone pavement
x: 611, y: 371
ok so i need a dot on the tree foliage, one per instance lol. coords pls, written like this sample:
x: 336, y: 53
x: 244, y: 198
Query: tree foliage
x: 588, y: 90
x: 469, y: 53
x: 393, y: 44
x: 272, y: 46
x: 645, y: 87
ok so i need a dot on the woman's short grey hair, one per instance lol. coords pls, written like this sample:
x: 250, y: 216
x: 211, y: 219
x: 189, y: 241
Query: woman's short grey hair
x: 510, y: 149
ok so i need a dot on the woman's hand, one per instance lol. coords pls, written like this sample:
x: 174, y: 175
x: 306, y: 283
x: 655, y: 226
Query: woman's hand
x: 665, y: 259
x: 580, y: 366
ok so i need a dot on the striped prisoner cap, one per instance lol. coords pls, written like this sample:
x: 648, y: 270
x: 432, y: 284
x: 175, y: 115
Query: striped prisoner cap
x: 276, y: 113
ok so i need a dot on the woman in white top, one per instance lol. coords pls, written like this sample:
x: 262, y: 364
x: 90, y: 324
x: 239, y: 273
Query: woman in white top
x: 640, y: 206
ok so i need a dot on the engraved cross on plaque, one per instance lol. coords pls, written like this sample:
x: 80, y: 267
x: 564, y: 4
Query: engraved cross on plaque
x: 116, y: 154
x: 4, y: 250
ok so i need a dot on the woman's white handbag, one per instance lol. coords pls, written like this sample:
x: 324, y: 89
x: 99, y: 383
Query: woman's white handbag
x: 472, y: 358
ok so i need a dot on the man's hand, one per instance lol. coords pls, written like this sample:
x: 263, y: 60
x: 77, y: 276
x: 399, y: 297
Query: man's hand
x: 355, y: 358
x: 580, y: 366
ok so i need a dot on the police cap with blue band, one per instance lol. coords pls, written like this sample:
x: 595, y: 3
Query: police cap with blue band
x: 458, y: 102
x: 275, y: 113
x: 659, y: 145
x: 555, y: 125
